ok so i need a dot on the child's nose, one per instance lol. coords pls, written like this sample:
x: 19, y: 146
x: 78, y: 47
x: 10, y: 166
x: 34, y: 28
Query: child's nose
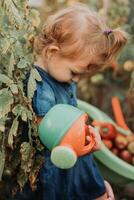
x: 76, y: 78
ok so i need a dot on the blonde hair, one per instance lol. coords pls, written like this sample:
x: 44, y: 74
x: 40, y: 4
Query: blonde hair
x: 77, y: 30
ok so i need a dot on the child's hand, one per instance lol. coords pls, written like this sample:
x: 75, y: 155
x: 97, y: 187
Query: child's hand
x: 109, y: 191
x: 97, y: 138
x: 109, y: 195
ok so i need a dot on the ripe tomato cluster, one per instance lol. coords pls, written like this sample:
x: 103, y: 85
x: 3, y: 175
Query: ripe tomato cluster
x: 121, y: 145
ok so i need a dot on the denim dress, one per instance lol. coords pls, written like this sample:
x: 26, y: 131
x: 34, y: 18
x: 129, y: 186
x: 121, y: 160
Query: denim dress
x: 83, y: 181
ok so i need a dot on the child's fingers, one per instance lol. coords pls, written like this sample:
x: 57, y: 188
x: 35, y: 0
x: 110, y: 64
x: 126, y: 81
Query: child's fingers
x: 96, y: 136
x: 94, y: 131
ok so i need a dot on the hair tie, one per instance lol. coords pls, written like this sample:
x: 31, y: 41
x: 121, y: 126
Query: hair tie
x: 108, y: 31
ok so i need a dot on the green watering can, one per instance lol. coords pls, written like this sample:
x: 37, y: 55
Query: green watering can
x: 63, y: 131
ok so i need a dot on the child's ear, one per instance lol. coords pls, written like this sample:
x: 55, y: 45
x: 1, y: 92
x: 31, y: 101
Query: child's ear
x: 51, y: 50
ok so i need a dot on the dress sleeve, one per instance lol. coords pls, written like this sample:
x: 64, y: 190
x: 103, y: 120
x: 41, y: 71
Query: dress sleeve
x: 43, y: 99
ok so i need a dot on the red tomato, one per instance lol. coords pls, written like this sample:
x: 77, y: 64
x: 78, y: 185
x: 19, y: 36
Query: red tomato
x: 108, y: 131
x: 115, y: 151
x: 125, y: 155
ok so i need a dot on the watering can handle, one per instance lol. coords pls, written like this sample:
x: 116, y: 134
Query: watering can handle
x: 87, y: 148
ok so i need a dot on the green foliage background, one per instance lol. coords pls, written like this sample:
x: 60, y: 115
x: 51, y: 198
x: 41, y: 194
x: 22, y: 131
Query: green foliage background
x: 18, y: 25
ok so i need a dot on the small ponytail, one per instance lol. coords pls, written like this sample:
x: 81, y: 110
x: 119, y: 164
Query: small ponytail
x: 117, y: 40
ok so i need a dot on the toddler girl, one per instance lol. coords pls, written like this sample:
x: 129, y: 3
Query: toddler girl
x: 73, y: 42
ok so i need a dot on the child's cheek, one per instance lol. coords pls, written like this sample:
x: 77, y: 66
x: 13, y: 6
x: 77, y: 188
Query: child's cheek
x: 66, y: 75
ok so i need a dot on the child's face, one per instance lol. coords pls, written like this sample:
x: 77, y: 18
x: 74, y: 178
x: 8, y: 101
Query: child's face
x: 71, y: 70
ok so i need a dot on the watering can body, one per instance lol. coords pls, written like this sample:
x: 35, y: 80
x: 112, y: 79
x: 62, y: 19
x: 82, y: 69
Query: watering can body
x: 63, y: 131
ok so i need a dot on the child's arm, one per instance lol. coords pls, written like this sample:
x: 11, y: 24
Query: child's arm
x: 109, y: 195
x: 109, y: 190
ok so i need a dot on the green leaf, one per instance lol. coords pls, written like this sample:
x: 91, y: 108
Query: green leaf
x: 11, y: 9
x: 34, y: 75
x: 29, y: 115
x: 2, y: 124
x: 34, y: 17
x: 22, y: 40
x: 14, y: 88
x: 27, y: 152
x: 5, y: 79
x: 4, y: 46
x: 22, y: 111
x: 13, y: 131
x: 17, y: 110
x: 24, y: 115
x: 11, y: 65
x: 18, y: 49
x: 31, y: 86
x: 6, y: 100
x: 22, y: 64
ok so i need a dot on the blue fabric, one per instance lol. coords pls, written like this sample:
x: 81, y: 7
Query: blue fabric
x: 83, y: 181
x: 50, y: 92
